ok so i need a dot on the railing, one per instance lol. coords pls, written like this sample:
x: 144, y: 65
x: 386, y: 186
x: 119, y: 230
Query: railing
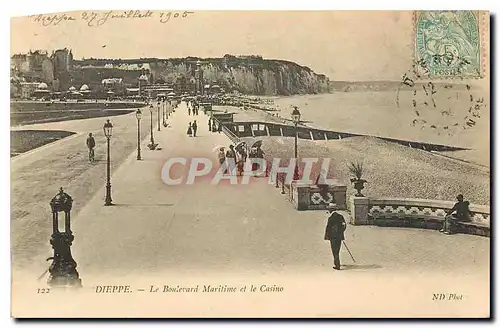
x: 234, y: 139
x: 416, y: 213
x: 384, y: 207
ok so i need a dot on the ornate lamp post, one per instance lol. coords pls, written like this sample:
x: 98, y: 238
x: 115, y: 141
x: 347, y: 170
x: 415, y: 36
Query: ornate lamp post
x: 152, y: 145
x: 138, y: 114
x: 63, y: 268
x: 164, y: 108
x: 296, y: 120
x: 108, y: 131
x: 158, y: 115
x: 168, y: 105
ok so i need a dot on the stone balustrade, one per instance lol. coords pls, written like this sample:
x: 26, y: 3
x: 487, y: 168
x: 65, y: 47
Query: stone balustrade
x: 415, y: 213
x: 306, y: 196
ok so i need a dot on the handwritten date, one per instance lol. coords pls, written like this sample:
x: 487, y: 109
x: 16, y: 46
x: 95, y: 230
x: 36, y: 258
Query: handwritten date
x: 96, y: 19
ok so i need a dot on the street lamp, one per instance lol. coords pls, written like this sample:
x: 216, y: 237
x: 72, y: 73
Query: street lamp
x: 108, y: 131
x: 138, y: 114
x: 158, y: 115
x: 152, y: 145
x: 296, y: 120
x: 164, y: 109
x: 168, y: 105
x: 63, y: 268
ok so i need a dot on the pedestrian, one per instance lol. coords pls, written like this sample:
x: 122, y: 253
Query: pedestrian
x: 91, y: 146
x: 220, y: 127
x: 190, y: 130
x: 242, y: 157
x: 195, y: 128
x: 221, y: 155
x: 209, y: 124
x: 334, y: 232
x: 462, y: 213
x: 231, y: 159
x: 189, y: 110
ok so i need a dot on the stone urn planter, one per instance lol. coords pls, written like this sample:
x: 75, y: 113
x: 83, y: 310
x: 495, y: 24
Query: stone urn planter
x: 357, y: 180
x: 359, y: 184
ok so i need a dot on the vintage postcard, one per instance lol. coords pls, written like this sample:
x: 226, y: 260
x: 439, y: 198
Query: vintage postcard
x: 250, y: 164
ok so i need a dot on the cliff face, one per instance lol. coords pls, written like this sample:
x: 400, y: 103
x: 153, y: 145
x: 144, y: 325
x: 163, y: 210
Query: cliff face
x: 248, y: 75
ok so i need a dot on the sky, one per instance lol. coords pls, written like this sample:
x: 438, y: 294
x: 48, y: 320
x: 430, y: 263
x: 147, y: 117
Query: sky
x: 343, y: 45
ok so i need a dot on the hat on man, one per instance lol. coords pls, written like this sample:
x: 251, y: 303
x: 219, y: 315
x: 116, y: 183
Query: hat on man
x: 332, y: 207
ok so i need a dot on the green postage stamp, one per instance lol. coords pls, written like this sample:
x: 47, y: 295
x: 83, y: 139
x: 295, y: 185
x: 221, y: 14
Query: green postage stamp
x: 448, y: 44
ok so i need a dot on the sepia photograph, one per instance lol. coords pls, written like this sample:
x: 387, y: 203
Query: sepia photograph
x: 250, y: 164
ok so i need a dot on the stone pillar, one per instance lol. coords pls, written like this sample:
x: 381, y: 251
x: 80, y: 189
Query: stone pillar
x: 359, y: 211
x: 339, y: 196
x: 301, y: 197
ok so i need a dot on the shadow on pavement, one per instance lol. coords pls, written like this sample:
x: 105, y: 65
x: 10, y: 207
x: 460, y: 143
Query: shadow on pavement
x: 361, y: 266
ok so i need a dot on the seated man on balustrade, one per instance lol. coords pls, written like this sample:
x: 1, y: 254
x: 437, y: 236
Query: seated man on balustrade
x: 462, y: 213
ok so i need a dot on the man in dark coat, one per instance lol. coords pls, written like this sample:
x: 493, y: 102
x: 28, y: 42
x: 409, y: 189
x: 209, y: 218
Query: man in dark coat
x: 195, y: 128
x: 462, y: 213
x: 91, y: 146
x: 335, y: 234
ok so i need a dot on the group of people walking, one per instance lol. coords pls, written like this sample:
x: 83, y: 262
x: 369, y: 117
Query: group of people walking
x: 231, y: 158
x: 212, y: 126
x: 193, y: 107
x: 193, y: 127
x: 236, y: 156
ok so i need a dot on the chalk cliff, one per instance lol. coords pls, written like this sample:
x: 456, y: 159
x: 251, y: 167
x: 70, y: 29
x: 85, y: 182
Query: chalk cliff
x: 246, y: 74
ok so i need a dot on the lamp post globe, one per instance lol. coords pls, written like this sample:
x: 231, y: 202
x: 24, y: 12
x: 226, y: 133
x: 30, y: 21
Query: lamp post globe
x: 138, y: 115
x: 296, y: 115
x: 108, y: 129
x: 108, y: 132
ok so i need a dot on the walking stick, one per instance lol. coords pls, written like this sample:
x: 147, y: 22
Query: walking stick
x: 349, y: 251
x: 43, y: 274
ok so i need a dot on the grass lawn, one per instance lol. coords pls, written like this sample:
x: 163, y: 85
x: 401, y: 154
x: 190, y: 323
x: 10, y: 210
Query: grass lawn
x: 26, y: 140
x: 33, y: 117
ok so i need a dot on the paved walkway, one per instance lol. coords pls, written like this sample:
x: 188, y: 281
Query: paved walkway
x: 206, y: 234
x: 37, y: 175
x: 252, y: 228
x: 201, y: 226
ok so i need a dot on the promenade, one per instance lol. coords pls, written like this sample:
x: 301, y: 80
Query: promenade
x: 154, y: 226
x: 203, y: 232
x: 251, y: 228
